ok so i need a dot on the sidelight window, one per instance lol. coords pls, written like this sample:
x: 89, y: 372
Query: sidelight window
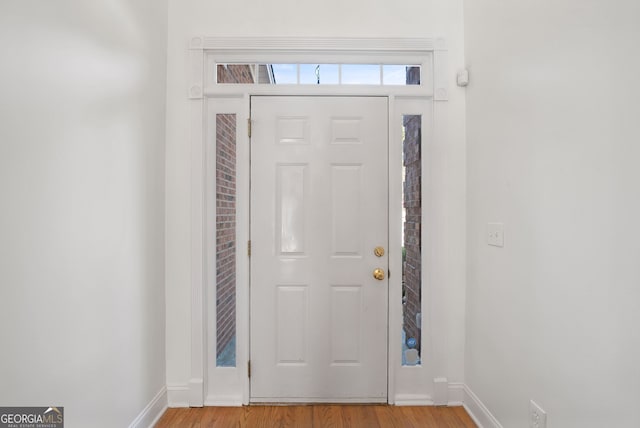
x: 411, y: 240
x: 225, y: 154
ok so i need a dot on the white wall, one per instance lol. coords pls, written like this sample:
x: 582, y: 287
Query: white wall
x: 82, y: 111
x: 552, y: 129
x: 331, y: 18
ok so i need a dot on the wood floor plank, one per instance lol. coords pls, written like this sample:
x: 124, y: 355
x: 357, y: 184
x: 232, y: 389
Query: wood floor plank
x: 416, y: 417
x: 464, y: 416
x: 317, y: 416
x: 359, y: 416
x: 327, y: 416
x: 385, y: 417
x: 187, y: 418
x: 219, y: 417
x: 257, y: 416
x: 299, y: 417
x: 449, y: 419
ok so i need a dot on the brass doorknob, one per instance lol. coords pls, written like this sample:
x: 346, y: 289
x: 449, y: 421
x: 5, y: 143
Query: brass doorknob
x: 378, y: 274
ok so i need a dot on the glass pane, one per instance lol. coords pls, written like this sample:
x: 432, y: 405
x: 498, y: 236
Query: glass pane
x: 285, y: 73
x: 225, y: 240
x: 411, y: 240
x: 236, y: 73
x: 413, y: 75
x: 319, y: 74
x: 265, y: 74
x: 401, y: 74
x: 360, y: 74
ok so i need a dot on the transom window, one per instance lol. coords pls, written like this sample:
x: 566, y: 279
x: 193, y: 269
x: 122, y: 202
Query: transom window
x: 319, y: 74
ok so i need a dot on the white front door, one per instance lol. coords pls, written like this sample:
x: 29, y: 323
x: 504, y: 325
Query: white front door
x: 319, y: 209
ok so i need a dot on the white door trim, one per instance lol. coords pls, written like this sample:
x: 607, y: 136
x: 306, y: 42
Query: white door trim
x: 209, y: 385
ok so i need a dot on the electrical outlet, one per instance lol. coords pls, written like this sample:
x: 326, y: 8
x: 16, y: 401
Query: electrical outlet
x: 495, y: 234
x: 537, y: 416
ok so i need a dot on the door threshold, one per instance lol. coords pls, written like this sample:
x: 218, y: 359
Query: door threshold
x: 317, y: 401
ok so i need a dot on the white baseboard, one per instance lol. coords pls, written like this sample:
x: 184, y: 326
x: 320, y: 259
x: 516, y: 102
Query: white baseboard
x: 478, y: 411
x: 455, y: 397
x: 152, y: 412
x: 178, y: 395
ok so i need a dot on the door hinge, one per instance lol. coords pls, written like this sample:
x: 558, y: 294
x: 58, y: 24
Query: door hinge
x: 249, y: 368
x: 249, y: 248
x: 249, y: 127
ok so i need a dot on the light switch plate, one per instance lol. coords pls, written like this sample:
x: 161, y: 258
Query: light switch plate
x: 495, y: 234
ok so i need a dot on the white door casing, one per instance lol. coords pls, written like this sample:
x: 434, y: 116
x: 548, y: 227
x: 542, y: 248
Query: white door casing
x: 203, y: 382
x: 319, y: 208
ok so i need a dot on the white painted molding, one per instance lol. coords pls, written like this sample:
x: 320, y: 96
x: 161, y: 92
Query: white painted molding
x: 178, y: 395
x: 196, y: 74
x: 195, y: 92
x: 198, y: 292
x: 224, y: 401
x: 196, y: 392
x: 478, y: 411
x: 440, y: 391
x: 440, y: 44
x: 312, y: 44
x: 456, y: 394
x: 152, y: 411
x: 413, y: 400
x: 440, y: 75
x: 196, y: 43
x: 200, y: 87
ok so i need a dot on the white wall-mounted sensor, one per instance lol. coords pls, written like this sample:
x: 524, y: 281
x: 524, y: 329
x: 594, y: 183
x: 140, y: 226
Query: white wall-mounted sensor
x: 463, y: 78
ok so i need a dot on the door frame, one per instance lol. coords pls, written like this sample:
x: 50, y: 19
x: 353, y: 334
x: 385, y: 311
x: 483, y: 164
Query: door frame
x: 210, y: 385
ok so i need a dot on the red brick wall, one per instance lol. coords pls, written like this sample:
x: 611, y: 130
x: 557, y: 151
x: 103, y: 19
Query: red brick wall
x: 412, y: 226
x: 234, y: 73
x: 225, y: 229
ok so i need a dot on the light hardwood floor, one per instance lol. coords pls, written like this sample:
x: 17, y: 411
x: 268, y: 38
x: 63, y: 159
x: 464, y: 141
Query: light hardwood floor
x: 317, y: 416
